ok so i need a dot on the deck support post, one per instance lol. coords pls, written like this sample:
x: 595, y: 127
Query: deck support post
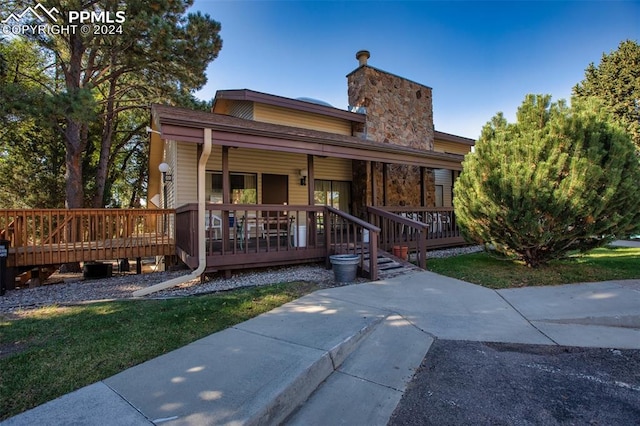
x: 4, y: 254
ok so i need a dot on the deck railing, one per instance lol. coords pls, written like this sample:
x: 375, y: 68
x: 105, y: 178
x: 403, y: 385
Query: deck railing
x: 418, y: 228
x: 240, y: 236
x: 400, y: 230
x: 55, y: 236
x: 350, y: 235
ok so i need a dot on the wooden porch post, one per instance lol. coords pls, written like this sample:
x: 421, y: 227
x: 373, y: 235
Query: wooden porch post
x: 226, y: 197
x: 422, y: 187
x: 311, y: 185
x: 385, y: 176
x: 226, y: 179
x: 374, y: 196
x: 453, y: 181
x: 311, y: 188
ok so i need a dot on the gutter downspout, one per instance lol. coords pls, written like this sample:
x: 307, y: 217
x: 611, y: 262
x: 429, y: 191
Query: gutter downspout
x: 202, y: 255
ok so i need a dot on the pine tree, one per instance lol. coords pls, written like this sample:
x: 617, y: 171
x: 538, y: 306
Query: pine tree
x: 101, y: 81
x: 616, y: 82
x: 557, y: 180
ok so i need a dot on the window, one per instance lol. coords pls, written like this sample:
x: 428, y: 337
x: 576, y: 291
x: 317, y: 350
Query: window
x: 244, y: 188
x: 439, y: 196
x: 336, y: 194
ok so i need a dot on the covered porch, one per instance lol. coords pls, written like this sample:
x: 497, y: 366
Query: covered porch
x: 298, y: 227
x: 250, y: 236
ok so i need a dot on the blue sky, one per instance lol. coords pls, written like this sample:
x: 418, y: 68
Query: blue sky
x: 479, y: 57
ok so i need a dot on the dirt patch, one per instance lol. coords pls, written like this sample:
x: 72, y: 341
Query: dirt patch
x: 12, y: 348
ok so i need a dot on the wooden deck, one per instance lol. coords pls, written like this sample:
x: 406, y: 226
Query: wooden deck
x: 250, y: 236
x: 57, y: 236
x: 237, y: 236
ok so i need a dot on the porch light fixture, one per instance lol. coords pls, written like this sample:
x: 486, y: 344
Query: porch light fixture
x: 303, y: 177
x: 164, y: 169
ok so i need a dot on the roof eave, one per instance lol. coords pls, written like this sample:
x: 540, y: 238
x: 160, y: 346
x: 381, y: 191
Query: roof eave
x: 280, y: 101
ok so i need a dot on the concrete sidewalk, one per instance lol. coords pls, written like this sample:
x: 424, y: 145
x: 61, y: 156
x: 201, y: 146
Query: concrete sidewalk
x: 342, y: 355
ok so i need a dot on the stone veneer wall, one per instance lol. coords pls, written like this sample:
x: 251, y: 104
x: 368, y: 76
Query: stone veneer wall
x: 400, y: 112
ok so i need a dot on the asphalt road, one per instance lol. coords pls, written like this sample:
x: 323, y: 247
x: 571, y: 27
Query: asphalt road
x: 475, y: 383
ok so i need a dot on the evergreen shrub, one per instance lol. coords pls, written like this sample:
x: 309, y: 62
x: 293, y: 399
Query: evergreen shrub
x: 557, y: 180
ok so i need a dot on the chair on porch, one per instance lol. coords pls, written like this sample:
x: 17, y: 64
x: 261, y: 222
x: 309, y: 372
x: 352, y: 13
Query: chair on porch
x: 213, y: 222
x: 249, y: 226
x: 410, y: 230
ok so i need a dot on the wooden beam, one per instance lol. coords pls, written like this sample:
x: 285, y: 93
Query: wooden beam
x: 311, y: 186
x: 226, y: 191
x: 311, y: 197
x: 374, y: 195
x: 423, y: 188
x: 385, y: 176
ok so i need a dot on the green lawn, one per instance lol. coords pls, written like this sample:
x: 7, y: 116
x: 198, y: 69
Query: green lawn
x: 46, y: 353
x: 492, y: 271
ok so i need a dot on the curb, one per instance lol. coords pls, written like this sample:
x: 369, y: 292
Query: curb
x: 300, y: 388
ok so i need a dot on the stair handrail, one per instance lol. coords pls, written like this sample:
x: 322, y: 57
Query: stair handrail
x: 374, y: 233
x: 421, y: 228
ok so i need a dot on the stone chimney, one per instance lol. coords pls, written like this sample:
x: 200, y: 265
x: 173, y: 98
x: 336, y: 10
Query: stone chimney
x: 399, y: 112
x: 362, y: 57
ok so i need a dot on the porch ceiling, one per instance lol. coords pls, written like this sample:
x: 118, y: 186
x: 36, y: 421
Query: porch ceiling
x: 188, y: 126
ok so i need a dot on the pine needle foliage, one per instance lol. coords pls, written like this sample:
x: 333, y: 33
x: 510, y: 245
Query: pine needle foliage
x: 560, y: 179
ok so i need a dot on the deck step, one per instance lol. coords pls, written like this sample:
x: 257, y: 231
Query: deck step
x: 389, y: 266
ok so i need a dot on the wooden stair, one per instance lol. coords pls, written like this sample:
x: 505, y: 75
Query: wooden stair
x: 389, y: 266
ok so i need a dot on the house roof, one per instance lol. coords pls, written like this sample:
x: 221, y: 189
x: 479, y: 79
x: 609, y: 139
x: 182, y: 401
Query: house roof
x: 188, y: 126
x: 448, y: 137
x: 307, y: 106
x: 297, y: 104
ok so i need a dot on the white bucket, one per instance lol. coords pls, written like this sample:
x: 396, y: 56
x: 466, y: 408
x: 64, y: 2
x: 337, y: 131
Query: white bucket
x: 300, y: 237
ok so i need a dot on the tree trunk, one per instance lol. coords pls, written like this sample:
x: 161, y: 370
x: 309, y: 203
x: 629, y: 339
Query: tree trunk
x: 75, y: 139
x: 76, y: 134
x: 73, y: 176
x: 105, y: 149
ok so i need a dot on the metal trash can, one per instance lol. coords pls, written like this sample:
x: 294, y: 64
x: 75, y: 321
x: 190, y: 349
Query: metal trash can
x: 345, y: 267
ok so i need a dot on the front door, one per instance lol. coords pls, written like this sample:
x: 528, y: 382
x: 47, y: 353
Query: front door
x: 275, y: 189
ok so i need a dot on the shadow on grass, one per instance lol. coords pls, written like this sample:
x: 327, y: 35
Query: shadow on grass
x: 48, y: 352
